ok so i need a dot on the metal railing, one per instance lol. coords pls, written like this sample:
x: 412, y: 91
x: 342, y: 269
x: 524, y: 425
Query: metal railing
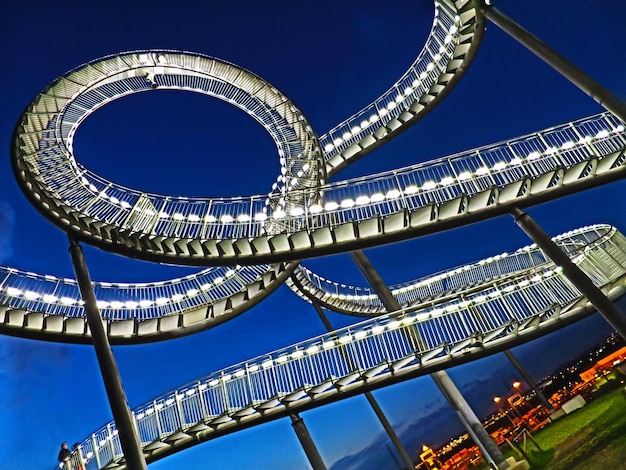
x: 362, y: 300
x: 376, y: 349
x: 354, y: 200
x: 414, y: 83
x: 47, y: 129
x: 119, y: 301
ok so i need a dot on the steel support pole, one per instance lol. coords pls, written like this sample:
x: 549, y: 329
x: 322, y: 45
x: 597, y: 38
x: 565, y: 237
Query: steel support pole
x: 395, y: 440
x: 406, y: 458
x: 559, y: 63
x: 474, y: 427
x: 529, y: 380
x: 127, y: 430
x: 310, y: 449
x: 583, y: 283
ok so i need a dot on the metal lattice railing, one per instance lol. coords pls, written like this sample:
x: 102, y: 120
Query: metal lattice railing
x: 373, y: 349
x: 119, y: 301
x: 416, y: 82
x: 362, y: 300
x: 410, y: 188
x: 46, y: 131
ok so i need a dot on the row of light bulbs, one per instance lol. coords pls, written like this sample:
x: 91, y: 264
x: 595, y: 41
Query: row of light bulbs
x: 392, y: 194
x: 355, y: 129
x: 349, y: 337
x: 400, y: 290
x: 115, y: 304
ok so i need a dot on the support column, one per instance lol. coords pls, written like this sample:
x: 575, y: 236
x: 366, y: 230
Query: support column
x: 395, y: 440
x: 315, y: 459
x: 559, y: 63
x: 474, y: 427
x: 81, y: 457
x: 127, y: 430
x: 601, y: 302
x: 529, y: 380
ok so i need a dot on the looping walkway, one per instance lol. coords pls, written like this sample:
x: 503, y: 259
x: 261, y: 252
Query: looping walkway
x: 256, y: 242
x: 220, y: 231
x: 477, y: 309
x: 179, y: 230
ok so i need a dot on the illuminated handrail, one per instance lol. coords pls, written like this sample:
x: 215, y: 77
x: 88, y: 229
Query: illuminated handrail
x: 31, y: 292
x: 468, y: 173
x: 108, y: 214
x: 379, y: 195
x: 415, y: 83
x: 359, y: 199
x: 120, y: 301
x: 47, y: 308
x: 363, y: 300
x: 379, y: 350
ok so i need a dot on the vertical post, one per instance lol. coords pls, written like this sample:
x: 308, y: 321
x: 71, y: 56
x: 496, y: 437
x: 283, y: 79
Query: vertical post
x: 575, y: 75
x: 81, y: 458
x: 529, y: 380
x: 129, y: 437
x: 315, y: 459
x: 601, y: 302
x: 449, y: 390
x: 395, y: 440
x: 481, y: 437
x: 96, y: 452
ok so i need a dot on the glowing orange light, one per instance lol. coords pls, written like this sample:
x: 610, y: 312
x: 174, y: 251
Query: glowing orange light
x: 497, y: 399
x: 517, y: 384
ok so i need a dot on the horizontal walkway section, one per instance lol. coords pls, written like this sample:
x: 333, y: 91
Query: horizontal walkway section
x: 526, y: 302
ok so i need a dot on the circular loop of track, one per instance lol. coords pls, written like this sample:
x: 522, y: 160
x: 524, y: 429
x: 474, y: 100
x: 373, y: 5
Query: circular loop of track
x: 80, y: 201
x: 233, y: 232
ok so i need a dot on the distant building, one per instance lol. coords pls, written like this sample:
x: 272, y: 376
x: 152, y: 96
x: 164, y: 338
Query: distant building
x: 604, y: 365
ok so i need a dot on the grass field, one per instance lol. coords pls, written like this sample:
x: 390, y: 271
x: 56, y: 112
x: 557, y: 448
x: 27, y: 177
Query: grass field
x: 593, y: 437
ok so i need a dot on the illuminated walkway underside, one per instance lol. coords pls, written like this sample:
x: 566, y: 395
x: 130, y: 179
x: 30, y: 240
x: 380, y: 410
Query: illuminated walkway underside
x: 463, y: 314
x: 488, y: 180
x: 294, y: 220
x: 109, y: 215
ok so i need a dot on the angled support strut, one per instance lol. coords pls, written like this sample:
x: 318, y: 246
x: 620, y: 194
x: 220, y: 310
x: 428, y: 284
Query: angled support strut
x: 577, y: 276
x: 559, y: 63
x: 395, y: 440
x: 127, y: 430
x: 310, y: 449
x: 472, y: 424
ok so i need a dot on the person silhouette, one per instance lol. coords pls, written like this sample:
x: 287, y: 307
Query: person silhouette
x: 64, y: 453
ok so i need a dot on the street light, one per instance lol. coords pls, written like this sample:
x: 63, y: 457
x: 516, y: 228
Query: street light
x: 501, y: 410
x: 517, y: 399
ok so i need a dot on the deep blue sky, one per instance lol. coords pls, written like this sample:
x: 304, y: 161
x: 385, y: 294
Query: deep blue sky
x: 331, y: 58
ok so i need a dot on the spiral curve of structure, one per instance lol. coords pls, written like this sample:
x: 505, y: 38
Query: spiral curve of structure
x: 257, y: 242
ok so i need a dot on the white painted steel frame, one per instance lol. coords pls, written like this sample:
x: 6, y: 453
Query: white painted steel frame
x: 196, y: 231
x: 389, y: 203
x: 46, y: 308
x: 456, y: 282
x: 381, y: 351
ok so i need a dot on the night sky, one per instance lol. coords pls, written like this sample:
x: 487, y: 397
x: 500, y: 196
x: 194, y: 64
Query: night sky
x: 331, y: 59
